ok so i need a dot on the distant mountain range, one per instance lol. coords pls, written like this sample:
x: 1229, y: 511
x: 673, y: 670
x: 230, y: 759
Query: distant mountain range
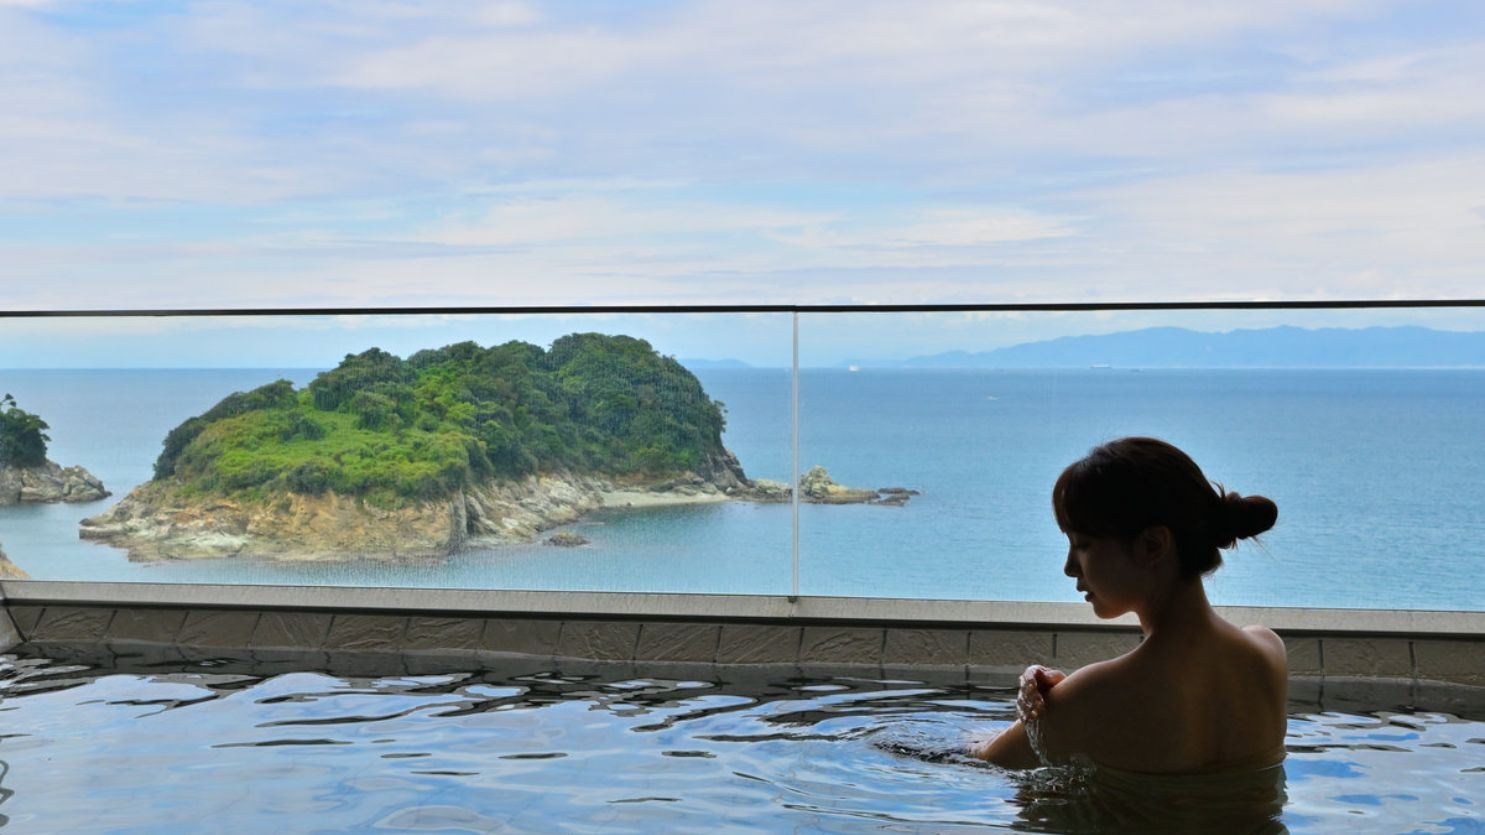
x: 1279, y: 347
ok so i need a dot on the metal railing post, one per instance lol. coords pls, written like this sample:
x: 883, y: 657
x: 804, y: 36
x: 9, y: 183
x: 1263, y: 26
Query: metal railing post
x: 794, y: 466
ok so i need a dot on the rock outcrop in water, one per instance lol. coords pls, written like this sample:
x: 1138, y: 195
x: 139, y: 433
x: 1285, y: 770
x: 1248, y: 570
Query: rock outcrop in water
x: 49, y: 482
x: 26, y: 474
x: 566, y: 539
x: 817, y: 487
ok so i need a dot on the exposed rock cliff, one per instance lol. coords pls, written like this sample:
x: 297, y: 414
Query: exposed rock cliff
x: 49, y: 482
x: 157, y: 522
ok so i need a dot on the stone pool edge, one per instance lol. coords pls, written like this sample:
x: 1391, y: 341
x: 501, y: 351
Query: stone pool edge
x: 869, y: 636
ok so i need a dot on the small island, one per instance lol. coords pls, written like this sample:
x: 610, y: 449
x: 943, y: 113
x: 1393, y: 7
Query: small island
x: 458, y: 447
x: 26, y: 474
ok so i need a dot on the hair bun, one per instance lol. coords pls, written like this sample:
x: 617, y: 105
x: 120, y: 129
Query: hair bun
x: 1241, y: 517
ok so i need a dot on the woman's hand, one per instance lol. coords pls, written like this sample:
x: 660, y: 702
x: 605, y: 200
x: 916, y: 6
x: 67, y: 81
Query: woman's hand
x: 1036, y: 690
x: 1012, y: 747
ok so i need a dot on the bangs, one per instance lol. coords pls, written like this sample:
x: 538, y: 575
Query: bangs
x: 1090, y: 499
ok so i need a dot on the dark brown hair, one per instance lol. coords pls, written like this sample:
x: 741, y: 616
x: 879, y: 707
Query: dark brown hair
x: 1125, y: 486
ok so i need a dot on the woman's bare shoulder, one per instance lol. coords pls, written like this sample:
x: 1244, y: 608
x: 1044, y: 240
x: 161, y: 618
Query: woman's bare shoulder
x: 1081, y: 708
x: 1266, y: 640
x: 1091, y: 679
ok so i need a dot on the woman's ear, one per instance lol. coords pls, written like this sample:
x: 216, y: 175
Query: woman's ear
x: 1154, y: 544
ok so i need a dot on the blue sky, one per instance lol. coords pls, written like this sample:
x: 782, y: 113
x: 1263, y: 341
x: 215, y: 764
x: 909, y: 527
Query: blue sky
x: 375, y: 152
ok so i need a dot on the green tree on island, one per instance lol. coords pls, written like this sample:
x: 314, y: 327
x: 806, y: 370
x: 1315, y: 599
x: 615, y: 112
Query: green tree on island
x: 392, y: 429
x: 23, y: 438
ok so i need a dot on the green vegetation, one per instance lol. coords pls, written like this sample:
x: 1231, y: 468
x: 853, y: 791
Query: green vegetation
x: 388, y: 428
x: 23, y: 438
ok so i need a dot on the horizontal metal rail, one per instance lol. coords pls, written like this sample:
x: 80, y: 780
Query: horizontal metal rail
x: 1004, y: 307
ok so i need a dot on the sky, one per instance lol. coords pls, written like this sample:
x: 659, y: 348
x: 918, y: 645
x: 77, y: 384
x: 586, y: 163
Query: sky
x: 376, y: 153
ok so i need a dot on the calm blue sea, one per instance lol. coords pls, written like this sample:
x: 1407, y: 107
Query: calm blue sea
x: 1377, y: 475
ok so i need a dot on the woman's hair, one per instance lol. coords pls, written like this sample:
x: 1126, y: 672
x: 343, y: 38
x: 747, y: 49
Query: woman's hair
x: 1125, y: 486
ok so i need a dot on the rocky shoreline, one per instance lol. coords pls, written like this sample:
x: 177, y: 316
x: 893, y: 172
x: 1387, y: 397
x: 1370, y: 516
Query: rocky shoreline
x: 9, y: 570
x: 47, y: 483
x: 157, y: 521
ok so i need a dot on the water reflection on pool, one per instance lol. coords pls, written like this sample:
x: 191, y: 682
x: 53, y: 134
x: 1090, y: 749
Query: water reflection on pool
x: 225, y: 747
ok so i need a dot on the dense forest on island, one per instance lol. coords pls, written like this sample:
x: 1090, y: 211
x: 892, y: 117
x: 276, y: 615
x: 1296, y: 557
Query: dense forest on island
x: 23, y: 437
x: 419, y: 428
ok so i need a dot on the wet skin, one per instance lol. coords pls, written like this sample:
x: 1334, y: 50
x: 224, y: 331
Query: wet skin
x: 1197, y: 694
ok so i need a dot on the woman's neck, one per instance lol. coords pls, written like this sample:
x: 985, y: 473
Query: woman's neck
x: 1180, y: 608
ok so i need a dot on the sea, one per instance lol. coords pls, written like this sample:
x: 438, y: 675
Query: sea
x: 1379, y: 477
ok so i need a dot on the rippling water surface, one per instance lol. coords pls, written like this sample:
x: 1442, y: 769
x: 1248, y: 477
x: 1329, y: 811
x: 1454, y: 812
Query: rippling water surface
x: 217, y: 747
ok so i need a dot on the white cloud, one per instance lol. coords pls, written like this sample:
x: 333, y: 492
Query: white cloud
x: 1406, y: 230
x: 458, y: 90
x: 571, y: 219
x: 936, y: 228
x: 523, y: 66
x: 822, y: 44
x: 397, y: 152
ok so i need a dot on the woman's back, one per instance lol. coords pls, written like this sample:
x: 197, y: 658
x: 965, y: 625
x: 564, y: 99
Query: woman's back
x: 1200, y: 700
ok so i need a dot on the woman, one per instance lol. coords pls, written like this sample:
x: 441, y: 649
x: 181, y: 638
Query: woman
x: 1198, y: 695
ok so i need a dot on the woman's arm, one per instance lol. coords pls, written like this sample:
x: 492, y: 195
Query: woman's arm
x: 1011, y: 748
x: 1008, y: 749
x: 1077, y: 723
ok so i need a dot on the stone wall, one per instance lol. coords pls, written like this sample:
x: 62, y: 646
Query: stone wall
x: 976, y: 653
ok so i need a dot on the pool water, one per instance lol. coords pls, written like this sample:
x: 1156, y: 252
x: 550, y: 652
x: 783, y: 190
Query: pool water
x: 228, y: 747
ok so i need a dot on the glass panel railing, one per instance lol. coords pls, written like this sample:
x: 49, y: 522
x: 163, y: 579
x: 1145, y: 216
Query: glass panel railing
x: 1363, y: 425
x: 415, y: 464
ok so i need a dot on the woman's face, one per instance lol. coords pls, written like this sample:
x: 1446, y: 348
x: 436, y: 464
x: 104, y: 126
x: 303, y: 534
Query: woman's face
x: 1107, y: 573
